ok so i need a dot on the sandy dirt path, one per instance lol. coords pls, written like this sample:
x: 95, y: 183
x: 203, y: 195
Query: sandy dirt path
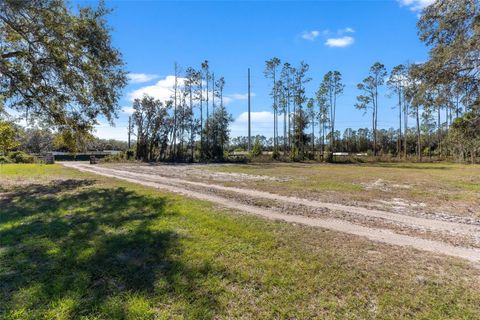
x: 180, y: 186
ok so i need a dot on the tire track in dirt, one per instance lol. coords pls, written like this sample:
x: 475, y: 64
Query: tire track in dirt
x: 375, y: 234
x: 430, y: 224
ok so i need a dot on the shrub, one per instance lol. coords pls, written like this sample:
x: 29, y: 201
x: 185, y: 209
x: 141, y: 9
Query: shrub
x: 113, y: 158
x: 329, y: 156
x: 275, y: 154
x: 21, y: 157
x: 294, y: 154
x: 257, y: 148
x: 130, y: 154
x: 4, y: 159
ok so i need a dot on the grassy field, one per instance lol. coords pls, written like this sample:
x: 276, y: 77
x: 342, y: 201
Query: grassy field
x: 453, y: 188
x: 78, y: 246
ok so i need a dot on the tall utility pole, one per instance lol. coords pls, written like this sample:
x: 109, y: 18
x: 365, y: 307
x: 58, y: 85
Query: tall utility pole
x: 129, y: 130
x: 249, y: 128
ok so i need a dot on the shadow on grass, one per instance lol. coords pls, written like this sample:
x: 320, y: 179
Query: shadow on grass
x: 31, y: 198
x: 95, y: 246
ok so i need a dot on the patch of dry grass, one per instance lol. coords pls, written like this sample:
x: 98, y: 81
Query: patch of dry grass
x: 443, y: 187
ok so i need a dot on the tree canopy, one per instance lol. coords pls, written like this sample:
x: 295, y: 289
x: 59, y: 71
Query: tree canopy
x: 58, y: 66
x: 452, y: 31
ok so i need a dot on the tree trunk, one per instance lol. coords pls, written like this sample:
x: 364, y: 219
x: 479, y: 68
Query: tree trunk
x: 289, y: 120
x: 293, y: 122
x: 419, y: 144
x: 405, y: 129
x: 374, y: 133
x: 201, y: 116
x: 284, y: 130
x: 206, y: 125
x: 439, y: 131
x: 320, y: 134
x: 399, y: 139
x: 175, y: 115
x: 191, y: 124
x: 331, y: 118
x: 313, y: 137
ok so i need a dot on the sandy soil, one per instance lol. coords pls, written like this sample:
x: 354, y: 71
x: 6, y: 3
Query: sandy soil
x: 458, y: 239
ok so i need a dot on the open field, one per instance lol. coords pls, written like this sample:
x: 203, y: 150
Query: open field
x: 443, y: 188
x: 78, y: 245
x: 453, y: 189
x: 382, y: 198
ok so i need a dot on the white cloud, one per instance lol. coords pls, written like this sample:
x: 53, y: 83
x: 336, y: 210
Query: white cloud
x: 416, y: 5
x: 141, y: 77
x: 162, y: 90
x: 340, y: 42
x: 261, y: 123
x: 339, y: 32
x: 346, y: 30
x: 310, y: 35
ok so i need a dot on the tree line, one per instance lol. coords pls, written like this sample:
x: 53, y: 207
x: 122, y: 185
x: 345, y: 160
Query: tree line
x: 441, y: 95
x: 42, y: 140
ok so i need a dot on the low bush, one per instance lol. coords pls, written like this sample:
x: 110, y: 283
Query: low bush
x: 4, y: 159
x: 257, y: 148
x: 114, y: 158
x: 129, y: 154
x: 21, y: 157
x: 328, y: 156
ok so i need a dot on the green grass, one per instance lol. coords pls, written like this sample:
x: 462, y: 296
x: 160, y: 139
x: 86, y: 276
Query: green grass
x: 87, y: 247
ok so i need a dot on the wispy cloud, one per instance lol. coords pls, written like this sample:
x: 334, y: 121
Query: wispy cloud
x: 340, y: 42
x: 161, y: 90
x: 346, y: 30
x: 339, y: 38
x: 310, y: 35
x: 141, y: 77
x: 240, y: 96
x: 416, y: 5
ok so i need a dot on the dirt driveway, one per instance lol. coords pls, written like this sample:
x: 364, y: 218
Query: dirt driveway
x: 454, y: 238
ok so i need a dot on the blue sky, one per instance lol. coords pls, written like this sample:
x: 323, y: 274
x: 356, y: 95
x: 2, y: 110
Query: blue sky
x: 348, y: 36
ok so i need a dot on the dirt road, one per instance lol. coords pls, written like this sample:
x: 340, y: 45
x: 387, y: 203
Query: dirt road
x: 444, y: 237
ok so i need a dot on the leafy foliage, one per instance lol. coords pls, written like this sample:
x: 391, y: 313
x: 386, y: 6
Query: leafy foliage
x: 370, y: 87
x: 7, y: 137
x: 465, y: 134
x: 452, y: 31
x: 20, y: 157
x: 257, y: 148
x: 218, y: 134
x: 153, y: 126
x: 58, y: 66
